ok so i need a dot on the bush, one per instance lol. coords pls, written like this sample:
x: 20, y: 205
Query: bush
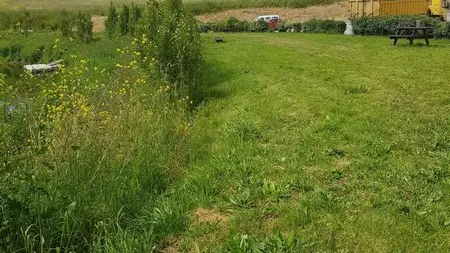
x: 234, y: 25
x: 169, y: 38
x: 297, y: 27
x: 324, y: 26
x: 441, y: 30
x: 204, y: 28
x: 111, y: 21
x: 312, y: 26
x: 65, y: 24
x: 135, y: 15
x: 258, y: 26
x: 386, y: 25
x: 84, y: 27
x: 124, y: 19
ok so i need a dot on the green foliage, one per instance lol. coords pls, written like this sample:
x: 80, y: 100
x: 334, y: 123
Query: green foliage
x: 168, y: 39
x: 324, y: 26
x: 65, y: 24
x: 258, y: 26
x: 111, y: 21
x: 311, y: 26
x: 135, y: 15
x: 387, y: 25
x: 234, y: 25
x: 11, y: 53
x: 83, y: 26
x: 124, y: 19
x: 124, y: 23
x: 78, y: 172
x: 243, y: 243
x: 441, y: 30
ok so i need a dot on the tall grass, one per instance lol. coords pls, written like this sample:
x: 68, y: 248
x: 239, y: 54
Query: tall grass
x: 196, y: 6
x: 88, y: 154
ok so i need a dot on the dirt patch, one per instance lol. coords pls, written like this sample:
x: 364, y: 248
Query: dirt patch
x: 335, y: 11
x: 170, y: 245
x: 212, y: 227
x: 99, y: 23
x: 208, y: 216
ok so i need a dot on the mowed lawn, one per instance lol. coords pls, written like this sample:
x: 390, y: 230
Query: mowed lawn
x: 342, y: 143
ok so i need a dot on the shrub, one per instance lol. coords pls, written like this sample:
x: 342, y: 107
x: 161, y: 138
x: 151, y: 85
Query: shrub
x: 135, y: 15
x: 84, y: 27
x: 386, y: 25
x: 169, y: 39
x: 11, y: 53
x: 124, y: 19
x: 65, y: 24
x: 111, y: 21
x: 324, y: 26
x: 298, y: 27
x: 258, y: 26
x: 204, y: 28
x: 234, y: 25
x: 441, y: 30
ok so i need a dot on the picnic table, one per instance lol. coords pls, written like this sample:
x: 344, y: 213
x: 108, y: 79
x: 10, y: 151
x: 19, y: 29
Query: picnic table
x: 411, y: 33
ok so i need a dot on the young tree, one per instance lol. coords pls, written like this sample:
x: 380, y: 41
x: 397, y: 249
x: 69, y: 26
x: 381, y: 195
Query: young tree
x: 123, y: 20
x: 84, y: 27
x: 111, y: 21
x: 135, y: 15
x: 174, y: 45
x: 65, y: 24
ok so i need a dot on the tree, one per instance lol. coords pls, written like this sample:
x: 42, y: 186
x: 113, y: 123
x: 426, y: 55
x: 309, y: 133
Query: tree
x: 84, y: 27
x: 111, y: 21
x: 135, y: 15
x: 65, y: 24
x: 124, y: 19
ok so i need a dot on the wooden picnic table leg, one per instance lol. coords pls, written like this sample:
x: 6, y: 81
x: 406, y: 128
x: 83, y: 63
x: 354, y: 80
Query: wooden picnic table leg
x: 395, y: 41
x: 425, y: 33
x: 411, y: 41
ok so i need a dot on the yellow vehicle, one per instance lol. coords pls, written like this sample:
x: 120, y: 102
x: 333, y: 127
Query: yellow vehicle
x: 374, y: 8
x: 439, y: 8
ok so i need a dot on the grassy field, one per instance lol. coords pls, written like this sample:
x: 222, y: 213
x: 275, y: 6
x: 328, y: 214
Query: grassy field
x: 340, y: 142
x: 197, y: 6
x: 301, y: 142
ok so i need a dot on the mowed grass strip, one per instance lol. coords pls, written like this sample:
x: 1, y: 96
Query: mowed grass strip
x: 342, y: 142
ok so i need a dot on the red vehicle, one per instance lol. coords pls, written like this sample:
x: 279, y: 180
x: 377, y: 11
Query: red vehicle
x: 273, y: 24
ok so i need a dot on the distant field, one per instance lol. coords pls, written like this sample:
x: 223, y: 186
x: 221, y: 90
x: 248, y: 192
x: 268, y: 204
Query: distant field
x: 59, y: 4
x: 197, y: 6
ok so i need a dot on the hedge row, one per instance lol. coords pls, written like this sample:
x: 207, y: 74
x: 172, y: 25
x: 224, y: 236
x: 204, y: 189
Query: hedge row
x: 386, y: 25
x: 379, y: 26
x: 311, y: 26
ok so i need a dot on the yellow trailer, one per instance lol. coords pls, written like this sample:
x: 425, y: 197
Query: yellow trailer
x: 375, y: 8
x: 439, y: 8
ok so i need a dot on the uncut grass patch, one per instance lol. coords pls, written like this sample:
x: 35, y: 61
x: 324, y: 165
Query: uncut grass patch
x: 196, y: 6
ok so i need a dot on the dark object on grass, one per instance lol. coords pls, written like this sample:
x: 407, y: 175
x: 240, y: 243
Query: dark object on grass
x: 411, y: 33
x: 219, y: 40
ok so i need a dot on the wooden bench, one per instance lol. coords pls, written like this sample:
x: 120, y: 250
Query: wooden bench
x: 411, y: 33
x: 219, y: 39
